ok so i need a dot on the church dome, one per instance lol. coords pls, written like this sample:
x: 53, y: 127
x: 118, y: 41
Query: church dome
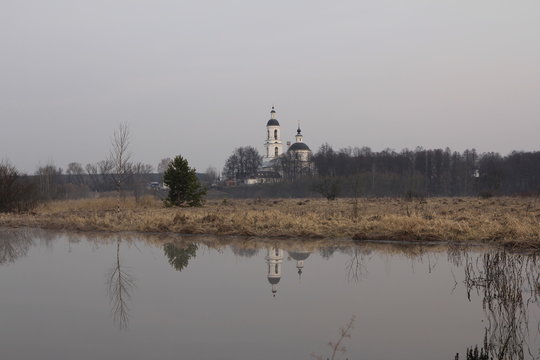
x: 273, y: 280
x: 299, y: 255
x: 272, y: 122
x: 298, y: 146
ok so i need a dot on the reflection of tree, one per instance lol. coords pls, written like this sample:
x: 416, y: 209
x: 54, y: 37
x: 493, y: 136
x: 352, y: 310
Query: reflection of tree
x: 355, y: 265
x: 327, y: 252
x: 120, y: 284
x: 13, y: 245
x: 504, y: 280
x: 243, y: 251
x: 179, y: 257
x: 476, y: 353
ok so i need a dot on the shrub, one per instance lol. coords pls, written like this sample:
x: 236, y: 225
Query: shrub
x: 328, y: 187
x: 17, y: 193
x: 486, y: 194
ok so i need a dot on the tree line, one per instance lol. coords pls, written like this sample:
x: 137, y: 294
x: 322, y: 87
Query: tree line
x: 118, y: 173
x: 354, y: 171
x: 21, y: 192
x: 434, y: 172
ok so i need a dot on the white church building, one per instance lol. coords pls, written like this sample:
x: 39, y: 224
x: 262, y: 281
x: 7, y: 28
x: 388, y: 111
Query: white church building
x: 298, y: 154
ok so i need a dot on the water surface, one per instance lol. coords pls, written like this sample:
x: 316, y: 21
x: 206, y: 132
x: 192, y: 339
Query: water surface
x: 131, y: 296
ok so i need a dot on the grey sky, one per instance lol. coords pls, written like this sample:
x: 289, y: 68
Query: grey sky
x: 198, y: 78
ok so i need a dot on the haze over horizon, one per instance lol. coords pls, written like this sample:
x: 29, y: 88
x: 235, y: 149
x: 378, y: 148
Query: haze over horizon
x: 199, y: 78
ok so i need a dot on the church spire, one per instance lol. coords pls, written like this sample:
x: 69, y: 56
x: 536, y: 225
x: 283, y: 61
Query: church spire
x: 299, y: 137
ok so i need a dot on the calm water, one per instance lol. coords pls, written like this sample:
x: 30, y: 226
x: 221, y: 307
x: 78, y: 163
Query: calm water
x: 139, y: 297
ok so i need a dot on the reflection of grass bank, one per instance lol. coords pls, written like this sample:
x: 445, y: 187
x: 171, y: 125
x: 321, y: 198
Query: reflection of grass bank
x: 509, y: 221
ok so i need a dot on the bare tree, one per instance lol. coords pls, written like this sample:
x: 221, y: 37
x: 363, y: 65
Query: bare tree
x: 49, y: 180
x: 105, y: 169
x: 337, y: 347
x: 119, y: 158
x: 100, y: 175
x: 92, y: 171
x: 232, y: 167
x: 17, y: 193
x: 74, y: 172
x: 8, y: 180
x: 163, y: 165
x: 211, y: 175
x: 243, y: 163
x: 139, y: 170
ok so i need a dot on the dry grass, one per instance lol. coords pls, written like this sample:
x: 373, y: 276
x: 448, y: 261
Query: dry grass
x: 507, y: 221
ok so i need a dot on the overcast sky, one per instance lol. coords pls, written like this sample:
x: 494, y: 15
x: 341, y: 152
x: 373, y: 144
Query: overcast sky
x: 198, y: 78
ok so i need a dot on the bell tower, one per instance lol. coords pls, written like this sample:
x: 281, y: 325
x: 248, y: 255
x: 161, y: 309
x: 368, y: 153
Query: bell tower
x: 273, y: 145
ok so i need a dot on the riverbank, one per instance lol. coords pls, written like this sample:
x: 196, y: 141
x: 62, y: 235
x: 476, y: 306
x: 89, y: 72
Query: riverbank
x: 507, y: 221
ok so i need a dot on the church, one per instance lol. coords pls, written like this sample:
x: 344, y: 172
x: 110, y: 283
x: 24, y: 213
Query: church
x: 296, y: 160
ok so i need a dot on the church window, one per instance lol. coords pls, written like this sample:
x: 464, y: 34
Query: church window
x: 275, y: 134
x: 276, y: 269
x: 276, y: 151
x: 277, y: 252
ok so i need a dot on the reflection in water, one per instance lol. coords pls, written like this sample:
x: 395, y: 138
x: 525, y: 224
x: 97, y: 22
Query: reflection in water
x: 299, y: 256
x: 508, y: 285
x: 355, y: 265
x: 179, y: 257
x: 244, y: 251
x: 326, y: 252
x: 14, y: 244
x: 477, y: 353
x: 119, y: 285
x: 274, y: 259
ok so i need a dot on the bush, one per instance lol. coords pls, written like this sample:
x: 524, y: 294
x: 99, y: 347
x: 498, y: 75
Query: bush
x: 184, y: 187
x: 411, y: 196
x: 486, y: 194
x: 328, y: 187
x: 17, y: 193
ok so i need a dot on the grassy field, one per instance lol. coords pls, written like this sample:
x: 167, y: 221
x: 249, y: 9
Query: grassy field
x: 509, y: 221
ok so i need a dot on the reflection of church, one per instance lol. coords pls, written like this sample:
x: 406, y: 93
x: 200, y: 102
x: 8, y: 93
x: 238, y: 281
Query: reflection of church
x: 299, y: 256
x: 274, y: 260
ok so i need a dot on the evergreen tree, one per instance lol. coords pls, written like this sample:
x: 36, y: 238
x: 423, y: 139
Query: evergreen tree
x: 184, y: 187
x: 179, y: 257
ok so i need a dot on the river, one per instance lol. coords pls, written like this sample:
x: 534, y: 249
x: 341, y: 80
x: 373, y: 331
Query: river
x: 134, y: 296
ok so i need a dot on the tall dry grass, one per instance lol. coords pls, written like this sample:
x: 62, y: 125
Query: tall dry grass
x: 507, y: 220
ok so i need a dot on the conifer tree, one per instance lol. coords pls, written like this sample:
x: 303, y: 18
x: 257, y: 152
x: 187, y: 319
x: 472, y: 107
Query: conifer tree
x: 184, y: 187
